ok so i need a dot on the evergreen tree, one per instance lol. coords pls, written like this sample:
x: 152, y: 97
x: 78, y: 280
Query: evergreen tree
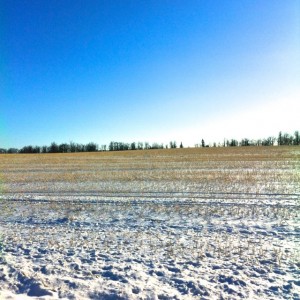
x: 279, y: 140
x: 91, y: 147
x: 63, y: 148
x: 173, y: 145
x: 297, y: 138
x: 53, y: 148
x: 44, y: 149
x: 133, y: 146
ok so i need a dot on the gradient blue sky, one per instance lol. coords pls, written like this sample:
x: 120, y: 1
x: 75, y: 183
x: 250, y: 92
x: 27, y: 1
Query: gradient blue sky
x: 147, y: 70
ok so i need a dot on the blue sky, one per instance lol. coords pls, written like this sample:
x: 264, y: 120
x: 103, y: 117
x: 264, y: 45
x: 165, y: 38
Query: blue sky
x: 147, y: 70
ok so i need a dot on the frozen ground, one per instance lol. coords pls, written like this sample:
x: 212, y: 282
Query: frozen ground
x: 186, y: 226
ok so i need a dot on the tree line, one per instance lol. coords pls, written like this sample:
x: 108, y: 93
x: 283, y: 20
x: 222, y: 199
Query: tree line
x: 283, y: 139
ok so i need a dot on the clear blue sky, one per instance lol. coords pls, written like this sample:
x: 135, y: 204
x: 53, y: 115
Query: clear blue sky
x: 147, y: 70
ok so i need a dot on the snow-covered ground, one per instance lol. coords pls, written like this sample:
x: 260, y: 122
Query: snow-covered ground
x: 192, y: 225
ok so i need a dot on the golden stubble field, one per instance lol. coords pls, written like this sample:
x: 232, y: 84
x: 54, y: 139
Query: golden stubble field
x: 253, y: 169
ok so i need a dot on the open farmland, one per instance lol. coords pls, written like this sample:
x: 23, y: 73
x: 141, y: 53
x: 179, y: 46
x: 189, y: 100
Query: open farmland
x: 205, y: 223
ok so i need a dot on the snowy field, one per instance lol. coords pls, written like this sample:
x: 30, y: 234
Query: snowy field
x: 217, y: 223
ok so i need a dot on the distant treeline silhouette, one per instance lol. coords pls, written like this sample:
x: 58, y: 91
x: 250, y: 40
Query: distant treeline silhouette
x: 283, y: 139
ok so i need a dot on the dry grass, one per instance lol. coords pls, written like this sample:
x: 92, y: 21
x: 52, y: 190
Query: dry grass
x: 209, y: 165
